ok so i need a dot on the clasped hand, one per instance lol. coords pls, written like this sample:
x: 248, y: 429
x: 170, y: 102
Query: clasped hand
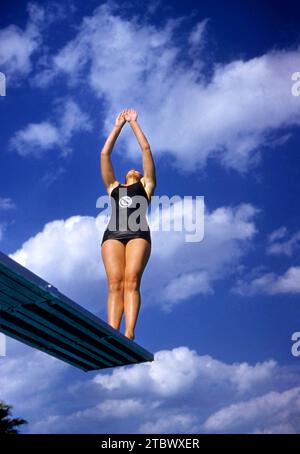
x: 126, y: 115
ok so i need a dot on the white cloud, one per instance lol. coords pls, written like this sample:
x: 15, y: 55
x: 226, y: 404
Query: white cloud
x: 169, y: 374
x: 73, y: 119
x: 37, y: 137
x: 186, y: 285
x: 260, y: 281
x: 278, y: 243
x: 273, y: 412
x: 195, y: 38
x: 18, y: 46
x: 177, y: 371
x: 112, y: 408
x: 171, y: 423
x: 277, y: 234
x: 270, y: 283
x: 230, y: 117
x: 27, y: 374
x: 180, y: 392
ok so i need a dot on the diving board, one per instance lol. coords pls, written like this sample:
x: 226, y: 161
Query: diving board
x: 37, y: 314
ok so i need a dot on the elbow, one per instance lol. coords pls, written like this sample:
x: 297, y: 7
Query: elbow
x: 105, y: 153
x: 146, y: 147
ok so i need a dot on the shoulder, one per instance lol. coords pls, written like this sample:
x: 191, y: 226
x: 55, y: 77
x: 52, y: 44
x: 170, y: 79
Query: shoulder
x: 149, y: 186
x: 111, y: 186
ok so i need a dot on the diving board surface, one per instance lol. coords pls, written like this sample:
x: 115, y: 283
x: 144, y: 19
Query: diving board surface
x: 37, y: 314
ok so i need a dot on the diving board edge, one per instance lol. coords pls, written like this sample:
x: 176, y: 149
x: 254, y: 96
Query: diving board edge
x: 52, y: 293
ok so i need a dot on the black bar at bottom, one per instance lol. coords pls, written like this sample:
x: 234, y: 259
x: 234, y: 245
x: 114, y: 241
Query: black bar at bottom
x: 139, y: 442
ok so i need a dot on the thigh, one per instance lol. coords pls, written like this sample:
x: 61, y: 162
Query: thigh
x: 113, y: 256
x: 137, y: 254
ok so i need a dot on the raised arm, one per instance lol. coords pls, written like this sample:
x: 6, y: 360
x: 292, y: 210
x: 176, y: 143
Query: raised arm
x: 107, y: 170
x: 147, y: 158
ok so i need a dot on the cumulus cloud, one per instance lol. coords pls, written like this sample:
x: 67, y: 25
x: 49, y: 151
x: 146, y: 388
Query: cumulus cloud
x: 27, y: 374
x: 179, y: 370
x: 171, y: 423
x: 274, y: 412
x: 269, y: 283
x: 35, y: 138
x: 180, y: 392
x: 230, y: 117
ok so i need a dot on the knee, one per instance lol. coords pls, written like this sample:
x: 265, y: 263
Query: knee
x: 132, y: 281
x: 115, y: 284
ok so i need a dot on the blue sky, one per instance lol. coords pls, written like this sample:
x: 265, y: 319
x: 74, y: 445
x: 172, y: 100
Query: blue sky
x: 212, y: 86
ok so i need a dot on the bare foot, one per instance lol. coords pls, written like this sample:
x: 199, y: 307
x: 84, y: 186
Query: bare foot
x: 130, y: 336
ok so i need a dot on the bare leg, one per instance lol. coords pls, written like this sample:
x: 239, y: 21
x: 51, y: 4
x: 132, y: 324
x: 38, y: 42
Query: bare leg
x: 113, y: 255
x: 136, y: 257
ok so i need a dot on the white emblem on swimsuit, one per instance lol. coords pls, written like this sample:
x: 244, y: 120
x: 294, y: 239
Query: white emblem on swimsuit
x: 125, y: 201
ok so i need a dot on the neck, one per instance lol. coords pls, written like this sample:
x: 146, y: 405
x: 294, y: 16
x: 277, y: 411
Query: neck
x: 131, y: 181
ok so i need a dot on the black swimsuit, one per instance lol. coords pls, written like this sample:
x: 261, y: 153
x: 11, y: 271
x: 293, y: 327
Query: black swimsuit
x: 124, y: 225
